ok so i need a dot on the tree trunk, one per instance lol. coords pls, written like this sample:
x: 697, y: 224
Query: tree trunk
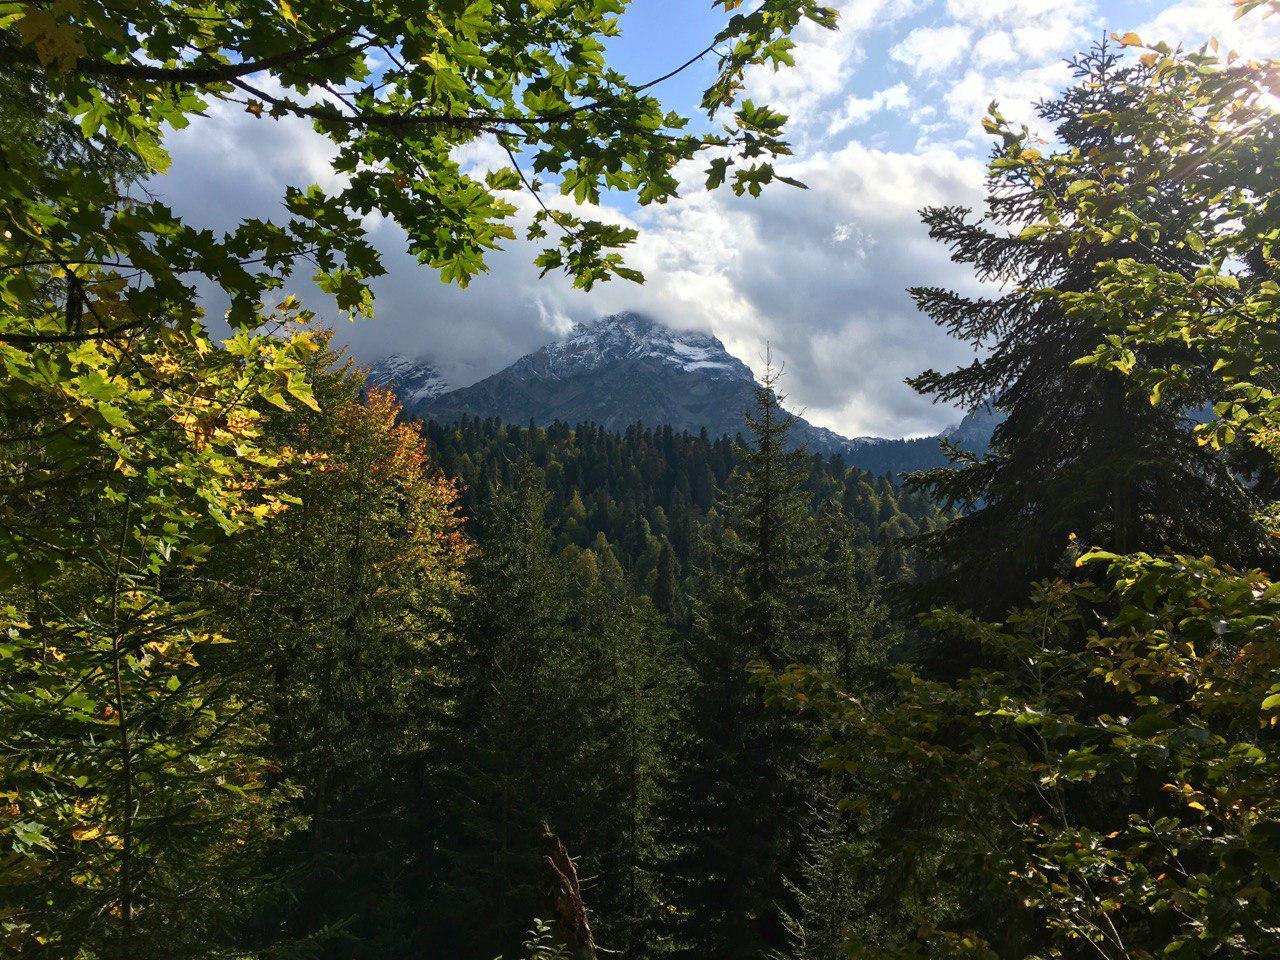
x: 568, y: 911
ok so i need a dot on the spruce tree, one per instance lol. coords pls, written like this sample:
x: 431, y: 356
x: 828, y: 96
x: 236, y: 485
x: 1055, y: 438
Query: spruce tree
x: 830, y: 886
x: 1079, y: 457
x: 666, y: 588
x: 739, y: 792
x: 507, y: 755
x: 828, y: 893
x: 562, y: 693
x: 630, y: 681
x: 339, y: 613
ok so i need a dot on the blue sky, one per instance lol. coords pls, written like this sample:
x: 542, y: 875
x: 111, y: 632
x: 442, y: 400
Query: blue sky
x: 657, y: 33
x: 885, y: 119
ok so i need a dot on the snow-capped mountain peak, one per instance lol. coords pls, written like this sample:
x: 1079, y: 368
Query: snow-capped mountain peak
x: 414, y: 381
x: 631, y: 336
x: 626, y: 369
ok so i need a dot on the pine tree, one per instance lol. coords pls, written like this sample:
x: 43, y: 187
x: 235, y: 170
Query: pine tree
x: 1079, y: 455
x: 740, y: 793
x: 666, y: 588
x: 507, y: 767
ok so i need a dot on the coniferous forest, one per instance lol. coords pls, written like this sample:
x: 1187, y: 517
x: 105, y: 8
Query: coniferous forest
x: 287, y: 674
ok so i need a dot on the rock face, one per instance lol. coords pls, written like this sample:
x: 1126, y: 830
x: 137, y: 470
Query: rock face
x: 975, y: 430
x: 414, y: 382
x: 615, y: 371
x: 626, y: 368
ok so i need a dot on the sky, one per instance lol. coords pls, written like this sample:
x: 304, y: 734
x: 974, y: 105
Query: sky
x: 885, y: 119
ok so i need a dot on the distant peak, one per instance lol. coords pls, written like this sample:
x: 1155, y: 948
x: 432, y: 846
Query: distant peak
x: 630, y: 335
x: 414, y: 379
x: 627, y: 318
x: 975, y: 429
x: 625, y: 324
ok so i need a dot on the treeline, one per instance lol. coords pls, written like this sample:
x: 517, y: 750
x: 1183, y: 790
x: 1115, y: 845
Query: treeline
x: 639, y: 500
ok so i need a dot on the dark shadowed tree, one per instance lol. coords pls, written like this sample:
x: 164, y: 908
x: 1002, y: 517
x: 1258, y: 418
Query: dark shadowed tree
x: 1079, y: 456
x: 740, y: 793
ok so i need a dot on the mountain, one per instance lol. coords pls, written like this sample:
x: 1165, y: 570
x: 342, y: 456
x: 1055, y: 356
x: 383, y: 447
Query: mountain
x: 896, y: 456
x: 975, y: 430
x: 615, y: 371
x: 414, y: 382
x: 626, y: 368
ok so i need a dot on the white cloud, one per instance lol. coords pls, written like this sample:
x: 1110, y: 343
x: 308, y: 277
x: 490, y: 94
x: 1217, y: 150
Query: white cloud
x: 1016, y: 94
x: 992, y: 11
x: 1192, y: 22
x: 932, y: 49
x: 825, y: 58
x: 1011, y: 51
x: 860, y: 109
x: 995, y: 48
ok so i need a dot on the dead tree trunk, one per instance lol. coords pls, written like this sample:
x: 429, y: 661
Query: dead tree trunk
x: 568, y: 912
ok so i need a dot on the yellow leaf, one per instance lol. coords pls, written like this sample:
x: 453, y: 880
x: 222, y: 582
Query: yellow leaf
x: 1128, y: 40
x: 86, y: 833
x: 286, y: 11
x: 255, y: 107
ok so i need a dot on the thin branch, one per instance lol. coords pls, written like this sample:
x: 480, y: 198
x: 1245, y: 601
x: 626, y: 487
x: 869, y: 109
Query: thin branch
x: 220, y: 73
x: 532, y: 189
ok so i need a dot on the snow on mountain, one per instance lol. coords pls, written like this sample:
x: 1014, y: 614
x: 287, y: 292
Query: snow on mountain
x: 626, y: 368
x: 414, y: 382
x: 630, y: 336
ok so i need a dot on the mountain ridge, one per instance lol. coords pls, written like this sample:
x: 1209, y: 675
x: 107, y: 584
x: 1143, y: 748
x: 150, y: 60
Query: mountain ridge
x: 627, y: 368
x: 413, y: 381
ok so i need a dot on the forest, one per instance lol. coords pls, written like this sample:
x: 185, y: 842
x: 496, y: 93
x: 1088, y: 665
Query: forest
x: 286, y: 674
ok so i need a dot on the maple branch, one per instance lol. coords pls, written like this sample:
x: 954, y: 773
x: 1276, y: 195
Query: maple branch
x: 218, y: 73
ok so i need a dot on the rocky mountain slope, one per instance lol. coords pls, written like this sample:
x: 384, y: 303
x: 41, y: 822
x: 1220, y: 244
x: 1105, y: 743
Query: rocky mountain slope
x: 626, y: 368
x: 414, y: 382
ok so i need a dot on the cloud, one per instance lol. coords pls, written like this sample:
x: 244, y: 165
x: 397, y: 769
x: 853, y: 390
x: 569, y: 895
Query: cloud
x: 992, y: 11
x: 1016, y: 93
x: 860, y: 109
x: 1191, y: 23
x: 1011, y: 51
x: 825, y: 59
x: 995, y: 48
x: 932, y: 49
x: 823, y: 277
